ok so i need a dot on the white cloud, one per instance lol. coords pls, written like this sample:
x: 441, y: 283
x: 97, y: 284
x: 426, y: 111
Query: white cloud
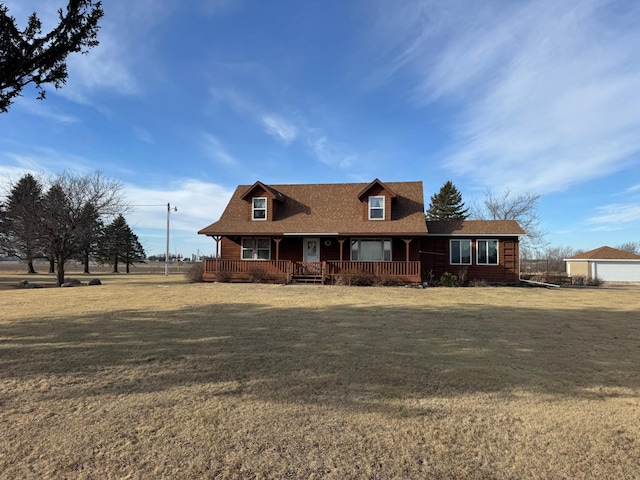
x: 542, y: 90
x: 279, y: 128
x: 616, y: 215
x: 198, y: 204
x: 216, y: 151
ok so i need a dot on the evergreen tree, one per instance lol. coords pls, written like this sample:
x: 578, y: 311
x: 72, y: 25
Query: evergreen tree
x: 20, y: 220
x: 118, y: 244
x: 447, y: 204
x: 30, y: 57
x: 89, y: 233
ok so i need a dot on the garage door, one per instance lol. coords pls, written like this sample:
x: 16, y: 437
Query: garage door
x: 618, y: 271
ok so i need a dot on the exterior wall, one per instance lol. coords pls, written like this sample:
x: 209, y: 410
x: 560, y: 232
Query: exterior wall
x: 291, y: 249
x: 435, y: 260
x: 580, y: 269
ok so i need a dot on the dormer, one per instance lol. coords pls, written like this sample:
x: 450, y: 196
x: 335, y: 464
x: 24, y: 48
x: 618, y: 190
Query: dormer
x: 377, y: 200
x: 262, y: 202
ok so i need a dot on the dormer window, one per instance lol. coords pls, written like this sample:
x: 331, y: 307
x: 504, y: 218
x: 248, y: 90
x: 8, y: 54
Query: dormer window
x: 376, y: 207
x: 259, y: 208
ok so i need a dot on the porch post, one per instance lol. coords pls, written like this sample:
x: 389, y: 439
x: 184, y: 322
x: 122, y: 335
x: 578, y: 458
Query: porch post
x: 407, y: 241
x: 341, y: 242
x: 277, y: 240
x: 217, y: 238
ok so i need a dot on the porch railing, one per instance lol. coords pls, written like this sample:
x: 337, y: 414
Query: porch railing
x: 391, y: 269
x: 407, y: 271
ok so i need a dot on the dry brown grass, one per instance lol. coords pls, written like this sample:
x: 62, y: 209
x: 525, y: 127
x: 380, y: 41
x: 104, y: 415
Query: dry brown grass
x: 150, y: 377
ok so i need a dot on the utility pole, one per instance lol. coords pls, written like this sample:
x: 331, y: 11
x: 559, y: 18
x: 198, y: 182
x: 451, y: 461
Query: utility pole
x: 166, y: 257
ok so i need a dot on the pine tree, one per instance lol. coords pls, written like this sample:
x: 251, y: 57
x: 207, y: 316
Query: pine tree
x: 447, y: 204
x: 20, y: 220
x: 118, y: 244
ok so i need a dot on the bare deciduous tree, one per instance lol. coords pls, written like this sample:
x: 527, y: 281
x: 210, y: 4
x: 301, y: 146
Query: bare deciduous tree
x: 631, y: 247
x: 523, y: 208
x: 66, y: 207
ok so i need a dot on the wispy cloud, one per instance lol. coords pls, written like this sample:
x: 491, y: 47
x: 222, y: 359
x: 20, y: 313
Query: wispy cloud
x: 276, y: 125
x: 615, y: 216
x: 214, y: 150
x: 541, y: 90
x: 280, y: 128
x: 287, y: 130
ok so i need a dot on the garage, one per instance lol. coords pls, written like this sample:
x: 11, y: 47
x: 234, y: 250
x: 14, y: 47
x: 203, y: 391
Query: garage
x: 605, y: 263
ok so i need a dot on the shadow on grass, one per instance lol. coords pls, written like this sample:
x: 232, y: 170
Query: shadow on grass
x: 347, y: 356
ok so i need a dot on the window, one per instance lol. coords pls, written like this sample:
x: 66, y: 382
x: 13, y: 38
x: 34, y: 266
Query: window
x: 371, y: 250
x: 487, y: 252
x: 256, y: 249
x: 460, y: 252
x: 259, y: 208
x: 376, y: 208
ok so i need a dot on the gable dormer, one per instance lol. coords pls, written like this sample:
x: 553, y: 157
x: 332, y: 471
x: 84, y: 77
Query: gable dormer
x: 377, y: 200
x: 262, y: 201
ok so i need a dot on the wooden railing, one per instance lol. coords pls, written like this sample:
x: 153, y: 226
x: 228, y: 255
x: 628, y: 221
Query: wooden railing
x: 391, y: 269
x: 406, y: 271
x: 246, y: 266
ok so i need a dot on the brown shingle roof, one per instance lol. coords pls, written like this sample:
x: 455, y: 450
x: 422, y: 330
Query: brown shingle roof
x: 474, y: 227
x: 605, y: 253
x: 325, y: 208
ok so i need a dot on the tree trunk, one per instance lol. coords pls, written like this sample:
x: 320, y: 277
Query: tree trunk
x: 30, y: 268
x: 127, y: 263
x: 60, y: 272
x: 52, y: 265
x: 115, y: 265
x: 86, y: 262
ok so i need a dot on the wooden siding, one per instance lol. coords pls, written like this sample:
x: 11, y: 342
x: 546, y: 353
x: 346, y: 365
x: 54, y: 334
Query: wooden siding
x: 435, y: 261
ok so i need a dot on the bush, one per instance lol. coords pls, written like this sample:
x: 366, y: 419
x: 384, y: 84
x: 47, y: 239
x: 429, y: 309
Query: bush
x: 359, y: 278
x: 595, y: 282
x: 195, y: 274
x: 258, y: 275
x: 223, y: 277
x: 478, y: 282
x: 448, y: 280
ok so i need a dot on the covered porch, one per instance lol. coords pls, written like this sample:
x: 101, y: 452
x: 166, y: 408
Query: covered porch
x: 323, y: 272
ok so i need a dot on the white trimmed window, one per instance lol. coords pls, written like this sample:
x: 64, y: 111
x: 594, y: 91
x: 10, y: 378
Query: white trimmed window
x: 256, y: 249
x: 487, y: 252
x: 371, y: 249
x: 376, y: 207
x: 460, y: 252
x: 259, y: 208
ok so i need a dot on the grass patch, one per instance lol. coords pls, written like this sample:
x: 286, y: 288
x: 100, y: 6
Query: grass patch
x: 147, y: 376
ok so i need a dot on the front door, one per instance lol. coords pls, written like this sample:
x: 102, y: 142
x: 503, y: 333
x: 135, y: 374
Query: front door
x: 311, y: 250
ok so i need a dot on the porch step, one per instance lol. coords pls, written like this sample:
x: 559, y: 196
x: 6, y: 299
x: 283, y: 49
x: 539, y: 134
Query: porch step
x: 317, y: 279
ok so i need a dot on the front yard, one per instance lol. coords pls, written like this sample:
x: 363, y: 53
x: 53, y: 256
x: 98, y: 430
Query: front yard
x: 149, y: 377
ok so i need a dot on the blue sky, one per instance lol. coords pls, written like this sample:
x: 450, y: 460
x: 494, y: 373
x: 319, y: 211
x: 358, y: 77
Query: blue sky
x: 185, y: 99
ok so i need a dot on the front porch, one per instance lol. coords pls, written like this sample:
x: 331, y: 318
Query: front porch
x: 326, y: 272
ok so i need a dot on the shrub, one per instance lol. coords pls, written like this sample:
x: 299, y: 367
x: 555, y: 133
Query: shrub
x: 478, y: 282
x: 594, y: 282
x: 258, y: 275
x: 195, y: 273
x: 448, y: 280
x: 359, y: 278
x: 223, y: 277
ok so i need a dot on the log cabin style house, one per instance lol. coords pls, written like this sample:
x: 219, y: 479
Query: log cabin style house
x: 324, y: 233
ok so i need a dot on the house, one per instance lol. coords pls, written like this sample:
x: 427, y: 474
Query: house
x: 326, y: 232
x: 605, y: 263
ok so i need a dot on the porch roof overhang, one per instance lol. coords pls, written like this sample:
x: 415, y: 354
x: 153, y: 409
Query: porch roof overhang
x: 475, y: 235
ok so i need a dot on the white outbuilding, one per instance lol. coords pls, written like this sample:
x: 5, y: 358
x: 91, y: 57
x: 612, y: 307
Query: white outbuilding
x: 605, y: 263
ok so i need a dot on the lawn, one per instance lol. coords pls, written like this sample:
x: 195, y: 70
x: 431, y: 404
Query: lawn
x: 149, y: 377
